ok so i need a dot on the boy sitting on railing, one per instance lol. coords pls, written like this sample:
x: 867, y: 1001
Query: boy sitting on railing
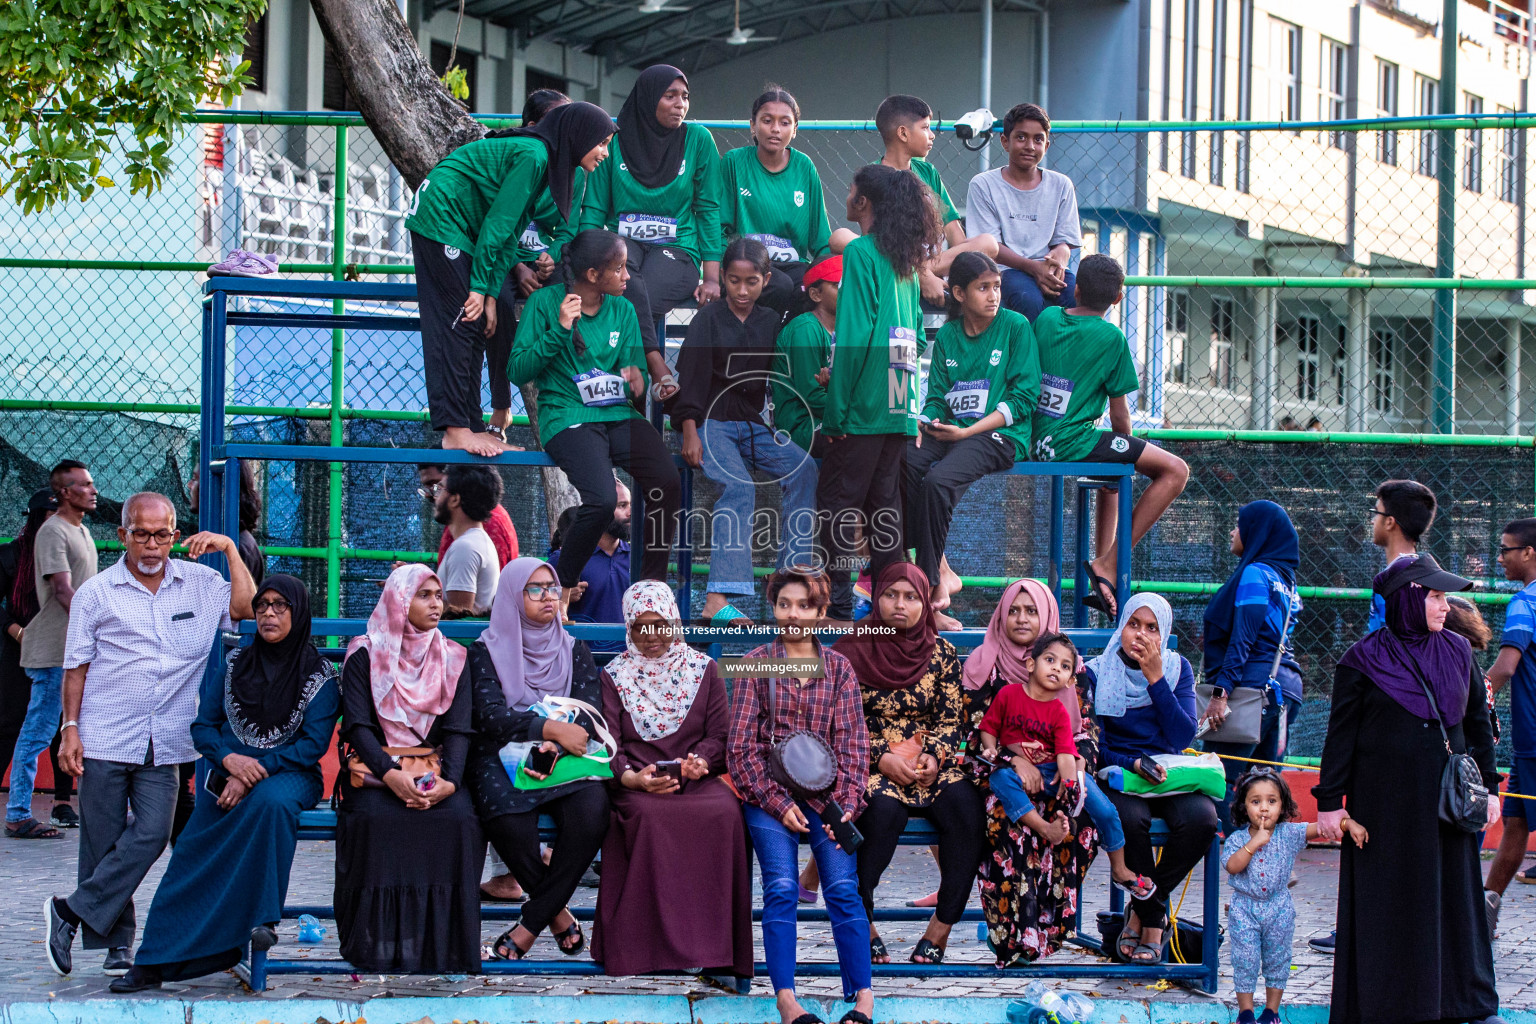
x: 1086, y: 365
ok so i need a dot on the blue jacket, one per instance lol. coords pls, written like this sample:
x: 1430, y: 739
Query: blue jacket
x: 1167, y: 726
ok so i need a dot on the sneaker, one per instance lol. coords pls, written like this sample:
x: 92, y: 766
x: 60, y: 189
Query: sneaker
x: 240, y: 263
x: 64, y: 816
x: 590, y: 879
x: 118, y: 962
x: 1492, y: 901
x: 1325, y: 944
x: 1269, y: 1017
x: 60, y: 938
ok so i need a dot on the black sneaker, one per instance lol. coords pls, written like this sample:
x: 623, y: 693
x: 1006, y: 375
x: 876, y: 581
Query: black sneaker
x: 60, y: 938
x: 590, y: 879
x: 138, y: 979
x: 64, y: 816
x: 118, y: 962
x: 1324, y: 944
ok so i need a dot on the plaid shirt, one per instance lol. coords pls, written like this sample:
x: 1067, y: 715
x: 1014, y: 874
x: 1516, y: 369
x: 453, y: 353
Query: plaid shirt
x: 831, y: 707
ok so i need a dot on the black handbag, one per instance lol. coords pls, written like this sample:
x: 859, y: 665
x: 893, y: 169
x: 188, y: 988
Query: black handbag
x: 805, y: 764
x: 1463, y: 797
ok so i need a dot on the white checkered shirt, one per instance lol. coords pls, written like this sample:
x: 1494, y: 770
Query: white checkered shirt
x: 146, y: 654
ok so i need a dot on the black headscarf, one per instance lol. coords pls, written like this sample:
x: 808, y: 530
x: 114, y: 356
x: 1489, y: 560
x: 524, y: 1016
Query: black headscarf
x: 652, y: 154
x: 569, y: 132
x: 268, y: 681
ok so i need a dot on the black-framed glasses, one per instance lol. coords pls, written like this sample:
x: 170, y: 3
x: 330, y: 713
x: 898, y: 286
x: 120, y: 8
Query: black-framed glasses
x: 158, y: 536
x: 1375, y: 512
x: 274, y: 605
x: 539, y: 591
x: 1514, y: 547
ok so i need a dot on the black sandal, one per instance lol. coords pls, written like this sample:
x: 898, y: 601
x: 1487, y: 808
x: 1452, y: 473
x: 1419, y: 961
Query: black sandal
x: 928, y: 950
x: 1095, y: 597
x: 877, y: 949
x: 573, y: 930
x: 505, y: 949
x: 854, y: 1017
x: 1126, y: 943
x: 31, y: 828
x: 807, y: 1018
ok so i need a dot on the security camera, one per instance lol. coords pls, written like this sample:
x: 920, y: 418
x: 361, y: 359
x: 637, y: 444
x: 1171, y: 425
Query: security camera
x: 975, y: 125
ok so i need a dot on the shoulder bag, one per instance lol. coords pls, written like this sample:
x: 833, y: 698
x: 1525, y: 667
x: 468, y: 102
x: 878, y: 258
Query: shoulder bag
x: 1463, y: 797
x: 1245, y: 704
x: 805, y: 764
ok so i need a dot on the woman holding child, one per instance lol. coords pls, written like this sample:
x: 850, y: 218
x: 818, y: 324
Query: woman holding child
x: 676, y: 854
x: 1145, y: 697
x: 915, y: 707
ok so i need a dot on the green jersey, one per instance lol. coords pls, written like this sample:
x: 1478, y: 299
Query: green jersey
x: 873, y: 389
x: 587, y: 388
x: 997, y: 370
x: 785, y: 210
x: 1084, y: 362
x: 479, y: 198
x: 799, y: 400
x: 547, y: 231
x: 684, y: 213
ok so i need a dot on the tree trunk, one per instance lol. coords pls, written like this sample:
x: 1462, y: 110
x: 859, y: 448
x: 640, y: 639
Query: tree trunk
x: 402, y: 101
x: 416, y: 122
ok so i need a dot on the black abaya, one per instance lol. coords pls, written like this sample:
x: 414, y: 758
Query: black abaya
x: 1413, y: 942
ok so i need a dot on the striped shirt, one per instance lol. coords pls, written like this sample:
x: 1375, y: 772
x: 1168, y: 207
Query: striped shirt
x: 146, y: 655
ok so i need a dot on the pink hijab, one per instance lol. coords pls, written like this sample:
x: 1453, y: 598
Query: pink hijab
x: 414, y: 675
x: 999, y: 652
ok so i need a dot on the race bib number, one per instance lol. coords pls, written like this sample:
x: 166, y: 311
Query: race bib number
x: 903, y: 348
x: 780, y: 250
x: 647, y: 227
x: 967, y: 399
x: 532, y: 241
x: 598, y: 388
x: 1055, y: 395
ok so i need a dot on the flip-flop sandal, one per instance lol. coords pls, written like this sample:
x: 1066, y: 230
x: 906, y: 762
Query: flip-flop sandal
x: 32, y: 829
x: 729, y: 617
x: 1095, y: 597
x: 1126, y: 943
x: 486, y: 897
x: 807, y: 895
x: 929, y: 951
x: 807, y: 1018
x: 854, y: 1017
x: 505, y: 949
x: 925, y: 902
x: 877, y: 950
x: 1139, y: 888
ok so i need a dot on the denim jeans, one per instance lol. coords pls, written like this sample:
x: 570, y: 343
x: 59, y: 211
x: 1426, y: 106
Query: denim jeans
x: 731, y: 451
x: 1009, y: 790
x: 1268, y: 748
x: 37, y: 732
x: 1021, y: 293
x: 778, y: 852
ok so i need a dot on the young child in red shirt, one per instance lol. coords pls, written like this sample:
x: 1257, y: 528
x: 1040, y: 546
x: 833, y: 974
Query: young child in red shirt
x: 1030, y: 722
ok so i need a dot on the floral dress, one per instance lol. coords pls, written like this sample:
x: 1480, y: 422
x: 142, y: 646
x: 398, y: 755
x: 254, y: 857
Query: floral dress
x: 937, y: 705
x: 1029, y: 888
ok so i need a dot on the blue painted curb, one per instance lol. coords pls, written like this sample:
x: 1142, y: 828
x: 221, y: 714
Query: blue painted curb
x: 596, y: 1009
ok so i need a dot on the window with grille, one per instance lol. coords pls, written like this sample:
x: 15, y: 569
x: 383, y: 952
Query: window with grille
x: 1509, y: 161
x: 1223, y: 333
x: 256, y: 52
x: 1308, y: 332
x: 1188, y: 140
x: 334, y: 94
x: 1335, y: 69
x: 1285, y: 69
x: 1176, y: 331
x: 1383, y: 395
x: 1428, y: 93
x: 1472, y: 156
x: 1386, y: 106
x: 1340, y: 363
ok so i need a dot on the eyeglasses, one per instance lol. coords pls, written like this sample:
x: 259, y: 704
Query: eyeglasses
x: 273, y: 605
x: 158, y: 536
x: 1375, y: 512
x: 539, y: 591
x: 429, y: 491
x: 1516, y: 547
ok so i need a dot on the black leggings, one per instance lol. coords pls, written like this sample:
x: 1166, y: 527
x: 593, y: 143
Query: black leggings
x: 587, y: 452
x: 661, y: 278
x: 581, y: 819
x: 960, y: 818
x: 1191, y: 819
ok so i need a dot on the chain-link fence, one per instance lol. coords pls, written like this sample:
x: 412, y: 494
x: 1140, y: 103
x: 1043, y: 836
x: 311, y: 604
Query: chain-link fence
x: 1225, y: 234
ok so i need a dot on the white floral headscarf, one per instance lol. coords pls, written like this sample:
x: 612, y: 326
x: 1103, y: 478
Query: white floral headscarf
x: 659, y: 692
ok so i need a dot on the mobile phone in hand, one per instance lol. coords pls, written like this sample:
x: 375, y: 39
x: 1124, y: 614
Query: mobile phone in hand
x: 847, y: 834
x: 541, y: 761
x: 426, y: 782
x: 215, y: 783
x: 671, y: 769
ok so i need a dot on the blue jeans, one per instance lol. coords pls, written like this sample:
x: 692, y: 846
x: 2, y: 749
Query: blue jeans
x: 1009, y: 790
x: 778, y: 852
x: 43, y: 710
x: 731, y: 451
x: 1022, y: 294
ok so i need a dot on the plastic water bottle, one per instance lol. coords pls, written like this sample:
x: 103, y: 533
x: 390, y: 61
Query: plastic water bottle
x: 1070, y: 1006
x: 310, y: 930
x: 1022, y: 1012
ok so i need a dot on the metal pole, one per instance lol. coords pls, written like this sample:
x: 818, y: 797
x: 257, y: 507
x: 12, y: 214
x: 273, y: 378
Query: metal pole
x: 984, y: 158
x: 1443, y: 407
x: 338, y: 363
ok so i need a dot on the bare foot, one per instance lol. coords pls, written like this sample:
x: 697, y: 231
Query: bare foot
x: 1056, y: 830
x: 938, y: 595
x: 1106, y: 593
x: 503, y: 887
x: 789, y: 1007
x: 948, y: 578
x: 466, y: 440
x: 947, y: 622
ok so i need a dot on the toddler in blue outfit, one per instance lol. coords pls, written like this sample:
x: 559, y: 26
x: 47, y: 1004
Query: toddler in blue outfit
x: 1258, y: 855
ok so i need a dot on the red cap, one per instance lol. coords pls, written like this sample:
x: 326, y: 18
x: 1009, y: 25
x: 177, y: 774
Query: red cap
x: 829, y: 269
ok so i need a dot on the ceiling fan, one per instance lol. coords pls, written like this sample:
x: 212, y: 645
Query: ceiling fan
x: 649, y: 6
x: 741, y: 36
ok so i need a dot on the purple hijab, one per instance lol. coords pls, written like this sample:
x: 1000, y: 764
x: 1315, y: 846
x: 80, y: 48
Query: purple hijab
x: 1387, y: 656
x: 532, y: 661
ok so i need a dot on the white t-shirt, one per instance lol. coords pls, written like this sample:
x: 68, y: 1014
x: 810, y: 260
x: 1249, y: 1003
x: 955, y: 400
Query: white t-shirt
x: 470, y: 564
x: 1029, y: 221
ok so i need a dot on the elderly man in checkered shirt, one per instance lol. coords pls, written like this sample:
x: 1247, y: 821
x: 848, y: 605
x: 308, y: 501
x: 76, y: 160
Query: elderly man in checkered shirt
x: 140, y: 635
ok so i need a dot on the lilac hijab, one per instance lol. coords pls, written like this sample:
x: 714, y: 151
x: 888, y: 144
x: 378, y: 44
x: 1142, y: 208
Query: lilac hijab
x: 1388, y: 657
x: 532, y: 661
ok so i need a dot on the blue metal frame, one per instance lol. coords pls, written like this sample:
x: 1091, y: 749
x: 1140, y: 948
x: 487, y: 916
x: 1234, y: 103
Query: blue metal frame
x: 218, y: 473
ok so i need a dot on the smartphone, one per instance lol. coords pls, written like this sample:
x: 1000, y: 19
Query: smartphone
x: 541, y: 761
x: 426, y: 782
x: 1205, y: 727
x: 847, y: 834
x: 674, y: 769
x: 215, y: 783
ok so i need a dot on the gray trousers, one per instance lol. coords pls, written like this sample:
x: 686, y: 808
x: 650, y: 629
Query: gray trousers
x: 114, y: 854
